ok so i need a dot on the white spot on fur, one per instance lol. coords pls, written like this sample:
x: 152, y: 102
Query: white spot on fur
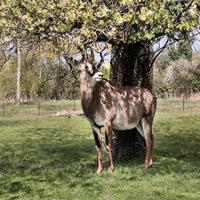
x: 98, y: 76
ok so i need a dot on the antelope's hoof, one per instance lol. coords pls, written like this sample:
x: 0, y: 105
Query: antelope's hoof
x: 99, y: 170
x: 110, y: 170
x: 148, y: 164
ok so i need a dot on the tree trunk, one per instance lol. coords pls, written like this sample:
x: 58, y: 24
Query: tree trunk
x: 18, y: 89
x: 130, y: 66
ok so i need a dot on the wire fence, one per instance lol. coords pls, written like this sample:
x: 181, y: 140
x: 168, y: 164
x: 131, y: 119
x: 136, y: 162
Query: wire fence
x: 37, y: 108
x: 41, y: 108
x: 179, y: 105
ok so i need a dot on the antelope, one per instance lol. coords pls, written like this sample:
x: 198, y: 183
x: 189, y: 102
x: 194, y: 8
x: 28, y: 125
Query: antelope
x: 115, y: 108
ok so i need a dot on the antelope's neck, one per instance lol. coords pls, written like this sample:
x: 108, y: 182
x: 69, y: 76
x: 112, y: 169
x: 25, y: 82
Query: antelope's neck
x: 86, y: 89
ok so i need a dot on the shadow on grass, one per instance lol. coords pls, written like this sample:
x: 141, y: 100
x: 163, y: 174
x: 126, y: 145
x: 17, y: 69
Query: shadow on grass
x: 177, y: 145
x: 178, y: 153
x: 56, y: 150
x: 176, y: 148
x: 49, y: 156
x: 40, y: 159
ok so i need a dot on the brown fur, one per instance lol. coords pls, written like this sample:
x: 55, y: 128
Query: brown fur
x: 117, y: 108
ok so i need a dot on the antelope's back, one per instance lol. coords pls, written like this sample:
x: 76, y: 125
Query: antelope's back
x: 129, y: 104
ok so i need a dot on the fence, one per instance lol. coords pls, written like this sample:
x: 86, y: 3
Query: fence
x: 52, y: 107
x: 37, y: 108
x: 179, y: 105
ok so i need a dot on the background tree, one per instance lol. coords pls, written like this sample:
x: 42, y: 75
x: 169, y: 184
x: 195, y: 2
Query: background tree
x: 178, y: 52
x: 183, y: 49
x: 131, y: 27
x: 8, y: 80
x: 19, y: 66
x: 179, y: 78
x: 44, y: 74
x: 183, y: 77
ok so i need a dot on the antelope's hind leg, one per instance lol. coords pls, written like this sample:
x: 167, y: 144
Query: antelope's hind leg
x: 147, y: 130
x: 108, y: 138
x: 98, y: 143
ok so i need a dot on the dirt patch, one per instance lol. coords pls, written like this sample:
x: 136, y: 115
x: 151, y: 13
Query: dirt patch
x: 65, y: 113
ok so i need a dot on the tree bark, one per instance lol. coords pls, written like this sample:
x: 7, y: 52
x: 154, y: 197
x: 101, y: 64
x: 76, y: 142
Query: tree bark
x: 18, y: 89
x: 130, y: 65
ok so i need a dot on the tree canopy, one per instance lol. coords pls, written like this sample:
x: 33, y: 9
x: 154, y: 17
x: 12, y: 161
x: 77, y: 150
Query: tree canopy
x: 75, y: 24
x: 88, y: 21
x: 130, y: 26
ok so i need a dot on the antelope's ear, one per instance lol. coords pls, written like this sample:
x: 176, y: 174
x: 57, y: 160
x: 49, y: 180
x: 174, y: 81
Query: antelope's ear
x: 71, y: 61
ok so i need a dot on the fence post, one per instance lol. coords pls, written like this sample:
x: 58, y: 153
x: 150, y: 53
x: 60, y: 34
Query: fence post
x: 3, y: 109
x: 38, y: 106
x: 183, y: 101
x: 74, y: 105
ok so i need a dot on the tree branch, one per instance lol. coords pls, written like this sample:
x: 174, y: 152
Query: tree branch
x: 159, y: 52
x: 102, y: 57
x: 184, y: 10
x: 102, y: 37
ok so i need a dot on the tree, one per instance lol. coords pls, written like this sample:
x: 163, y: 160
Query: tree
x: 183, y: 76
x: 8, y: 80
x: 179, y: 50
x: 182, y: 48
x: 196, y: 72
x: 179, y: 77
x: 43, y: 73
x: 131, y: 27
x: 18, y: 83
x: 5, y: 54
x: 160, y: 86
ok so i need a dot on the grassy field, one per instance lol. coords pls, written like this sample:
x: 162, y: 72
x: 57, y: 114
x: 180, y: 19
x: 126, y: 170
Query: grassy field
x: 44, y: 157
x: 37, y: 108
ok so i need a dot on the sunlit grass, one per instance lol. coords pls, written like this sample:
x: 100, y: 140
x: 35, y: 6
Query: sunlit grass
x: 44, y: 157
x: 37, y: 108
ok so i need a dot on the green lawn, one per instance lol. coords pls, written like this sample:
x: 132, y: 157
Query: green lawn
x: 44, y: 157
x: 37, y: 108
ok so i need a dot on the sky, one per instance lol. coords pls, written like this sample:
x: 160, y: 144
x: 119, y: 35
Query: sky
x: 196, y: 45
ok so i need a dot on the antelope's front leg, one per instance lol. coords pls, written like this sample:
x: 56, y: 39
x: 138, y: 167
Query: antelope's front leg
x: 98, y: 142
x: 108, y: 137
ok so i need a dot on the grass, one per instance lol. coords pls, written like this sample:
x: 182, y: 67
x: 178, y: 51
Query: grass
x: 44, y: 157
x: 37, y: 108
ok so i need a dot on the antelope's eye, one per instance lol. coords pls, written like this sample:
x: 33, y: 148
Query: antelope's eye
x: 86, y: 67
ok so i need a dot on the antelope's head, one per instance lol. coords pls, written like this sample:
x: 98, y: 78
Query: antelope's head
x: 91, y: 70
x: 87, y: 66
